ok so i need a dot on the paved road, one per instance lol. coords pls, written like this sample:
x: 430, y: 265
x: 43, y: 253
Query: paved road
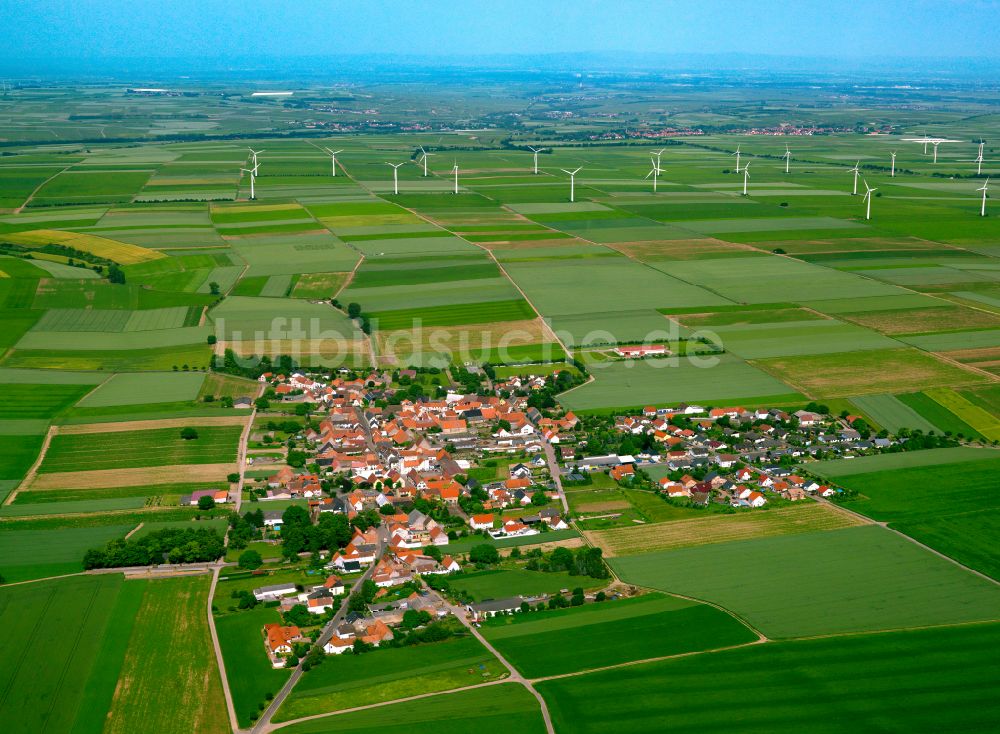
x: 550, y: 457
x: 241, y: 457
x: 264, y: 722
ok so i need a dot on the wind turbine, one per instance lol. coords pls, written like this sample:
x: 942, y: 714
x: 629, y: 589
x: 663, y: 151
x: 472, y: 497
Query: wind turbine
x: 658, y: 154
x: 737, y: 154
x: 253, y: 177
x: 788, y: 157
x: 979, y: 159
x: 935, y: 143
x: 746, y: 178
x: 455, y: 171
x: 857, y: 172
x: 892, y: 174
x: 655, y: 172
x: 333, y: 160
x: 984, y: 188
x: 424, y: 159
x: 254, y: 154
x: 395, y: 176
x: 868, y: 198
x: 572, y: 182
x: 536, y: 151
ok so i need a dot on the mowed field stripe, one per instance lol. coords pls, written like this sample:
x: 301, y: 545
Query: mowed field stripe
x: 221, y: 420
x: 145, y: 476
x: 804, y: 518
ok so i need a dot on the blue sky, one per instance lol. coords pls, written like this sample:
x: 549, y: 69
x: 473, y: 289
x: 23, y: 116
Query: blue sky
x: 108, y: 29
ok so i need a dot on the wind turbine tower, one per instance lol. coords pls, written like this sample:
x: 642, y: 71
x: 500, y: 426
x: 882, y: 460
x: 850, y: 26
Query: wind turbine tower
x: 737, y: 154
x: 654, y: 172
x: 857, y: 172
x: 535, y: 152
x: 868, y: 199
x: 788, y: 157
x: 746, y: 178
x: 892, y: 173
x: 979, y: 159
x: 984, y: 188
x: 253, y: 177
x: 424, y: 159
x: 455, y: 171
x: 333, y: 160
x: 572, y: 182
x: 395, y: 176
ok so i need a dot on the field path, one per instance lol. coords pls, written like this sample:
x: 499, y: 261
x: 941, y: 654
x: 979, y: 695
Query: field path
x: 233, y: 721
x: 39, y: 187
x: 241, y: 455
x: 33, y: 471
x: 515, y: 676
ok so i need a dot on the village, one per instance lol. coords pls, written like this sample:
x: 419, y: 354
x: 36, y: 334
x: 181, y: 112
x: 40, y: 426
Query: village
x: 424, y: 483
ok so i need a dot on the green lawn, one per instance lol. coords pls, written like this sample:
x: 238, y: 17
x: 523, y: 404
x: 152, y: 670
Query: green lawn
x: 850, y: 580
x: 504, y: 707
x: 502, y: 583
x: 606, y: 633
x: 925, y: 681
x: 349, y: 680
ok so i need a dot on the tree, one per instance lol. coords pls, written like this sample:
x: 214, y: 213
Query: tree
x: 189, y: 434
x: 432, y: 551
x: 387, y: 509
x: 205, y: 502
x: 295, y: 516
x: 233, y: 478
x: 213, y: 288
x: 413, y: 618
x: 262, y: 403
x: 116, y: 274
x: 211, y: 339
x: 250, y: 560
x: 539, y: 499
x: 353, y: 310
x: 484, y: 553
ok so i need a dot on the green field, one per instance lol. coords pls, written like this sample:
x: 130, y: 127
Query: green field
x: 26, y: 401
x: 136, y: 389
x: 65, y: 647
x: 670, y: 381
x: 837, y: 468
x: 251, y: 677
x: 129, y: 449
x: 27, y: 553
x: 500, y: 707
x: 560, y: 641
x: 787, y: 586
x: 348, y: 680
x: 916, y: 681
x: 170, y: 641
x: 953, y: 508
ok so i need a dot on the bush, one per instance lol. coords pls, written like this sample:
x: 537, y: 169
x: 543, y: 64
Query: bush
x: 189, y: 434
x: 484, y: 553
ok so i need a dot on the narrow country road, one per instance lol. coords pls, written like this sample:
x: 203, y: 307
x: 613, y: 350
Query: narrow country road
x: 515, y: 676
